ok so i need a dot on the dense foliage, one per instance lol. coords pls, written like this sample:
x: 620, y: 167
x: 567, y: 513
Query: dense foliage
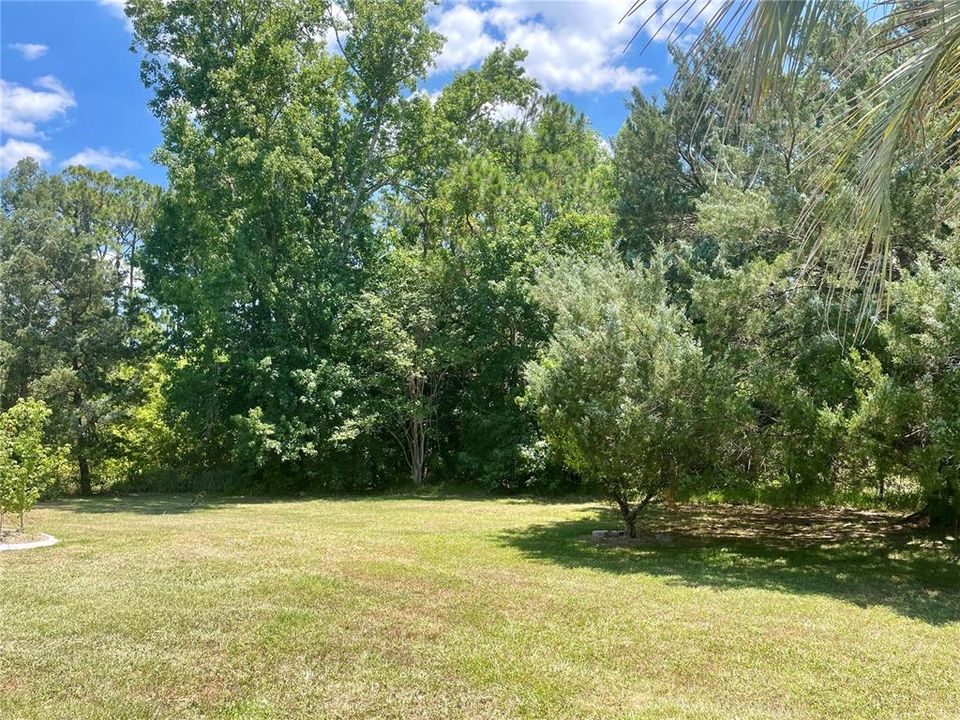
x: 350, y: 282
x: 71, y: 306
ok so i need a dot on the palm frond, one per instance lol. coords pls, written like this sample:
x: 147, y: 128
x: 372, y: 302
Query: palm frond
x: 919, y: 97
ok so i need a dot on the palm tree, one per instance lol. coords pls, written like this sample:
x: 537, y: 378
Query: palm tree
x: 917, y: 96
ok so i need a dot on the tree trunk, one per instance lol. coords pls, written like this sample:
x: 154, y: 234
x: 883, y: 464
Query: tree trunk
x: 417, y: 474
x: 21, y: 518
x: 416, y: 432
x: 418, y: 452
x: 880, y: 471
x: 85, y: 487
x: 629, y: 515
x: 669, y: 497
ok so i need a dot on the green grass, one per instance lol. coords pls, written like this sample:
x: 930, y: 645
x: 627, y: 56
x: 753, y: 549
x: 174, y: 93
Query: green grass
x: 406, y: 607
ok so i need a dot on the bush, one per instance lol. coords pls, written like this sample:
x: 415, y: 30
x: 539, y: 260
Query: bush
x: 619, y: 389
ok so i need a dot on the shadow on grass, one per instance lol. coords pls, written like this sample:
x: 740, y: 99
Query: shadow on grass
x: 149, y: 504
x: 180, y: 503
x: 866, y: 559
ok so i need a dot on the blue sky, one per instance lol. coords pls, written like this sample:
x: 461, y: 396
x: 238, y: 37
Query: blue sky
x: 71, y: 90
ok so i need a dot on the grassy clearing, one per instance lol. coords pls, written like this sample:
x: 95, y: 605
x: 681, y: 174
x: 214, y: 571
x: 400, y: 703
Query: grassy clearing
x: 154, y: 606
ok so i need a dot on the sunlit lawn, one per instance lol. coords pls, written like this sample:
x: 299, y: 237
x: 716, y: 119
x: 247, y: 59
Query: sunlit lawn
x: 159, y: 606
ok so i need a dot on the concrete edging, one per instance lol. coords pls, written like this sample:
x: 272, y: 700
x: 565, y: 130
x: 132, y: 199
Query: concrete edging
x: 46, y: 541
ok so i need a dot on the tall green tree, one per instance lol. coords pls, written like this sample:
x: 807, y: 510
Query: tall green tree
x: 70, y: 298
x: 276, y: 149
x: 513, y: 177
x: 404, y: 328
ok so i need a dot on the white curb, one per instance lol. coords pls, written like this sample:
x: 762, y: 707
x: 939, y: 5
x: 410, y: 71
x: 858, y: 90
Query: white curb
x: 45, y: 542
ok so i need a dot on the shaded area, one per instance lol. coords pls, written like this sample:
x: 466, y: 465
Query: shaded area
x: 149, y: 504
x: 179, y: 503
x: 862, y: 558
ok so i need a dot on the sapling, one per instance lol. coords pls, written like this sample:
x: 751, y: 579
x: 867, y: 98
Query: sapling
x: 27, y: 466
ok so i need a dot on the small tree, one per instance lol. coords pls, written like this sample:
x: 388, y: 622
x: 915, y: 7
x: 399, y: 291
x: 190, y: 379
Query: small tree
x: 27, y: 467
x: 618, y: 388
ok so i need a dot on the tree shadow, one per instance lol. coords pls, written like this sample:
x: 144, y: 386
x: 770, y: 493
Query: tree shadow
x: 181, y: 503
x: 866, y: 559
x: 149, y: 504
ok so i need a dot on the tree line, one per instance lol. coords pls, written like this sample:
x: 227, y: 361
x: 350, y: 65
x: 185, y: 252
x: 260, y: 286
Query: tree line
x: 350, y: 283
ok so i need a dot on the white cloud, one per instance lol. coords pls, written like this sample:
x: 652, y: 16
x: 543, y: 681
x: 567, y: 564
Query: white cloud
x: 671, y: 21
x: 102, y: 159
x: 575, y: 45
x: 117, y: 8
x: 605, y: 145
x: 336, y: 36
x: 431, y: 96
x: 22, y: 108
x: 30, y: 51
x: 507, y: 111
x: 467, y: 42
x: 12, y: 151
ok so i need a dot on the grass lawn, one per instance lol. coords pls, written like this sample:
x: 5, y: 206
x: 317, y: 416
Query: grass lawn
x: 406, y: 607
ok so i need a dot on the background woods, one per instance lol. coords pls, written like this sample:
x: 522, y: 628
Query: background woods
x: 350, y: 283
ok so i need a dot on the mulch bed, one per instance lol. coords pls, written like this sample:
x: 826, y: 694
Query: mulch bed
x: 15, y: 537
